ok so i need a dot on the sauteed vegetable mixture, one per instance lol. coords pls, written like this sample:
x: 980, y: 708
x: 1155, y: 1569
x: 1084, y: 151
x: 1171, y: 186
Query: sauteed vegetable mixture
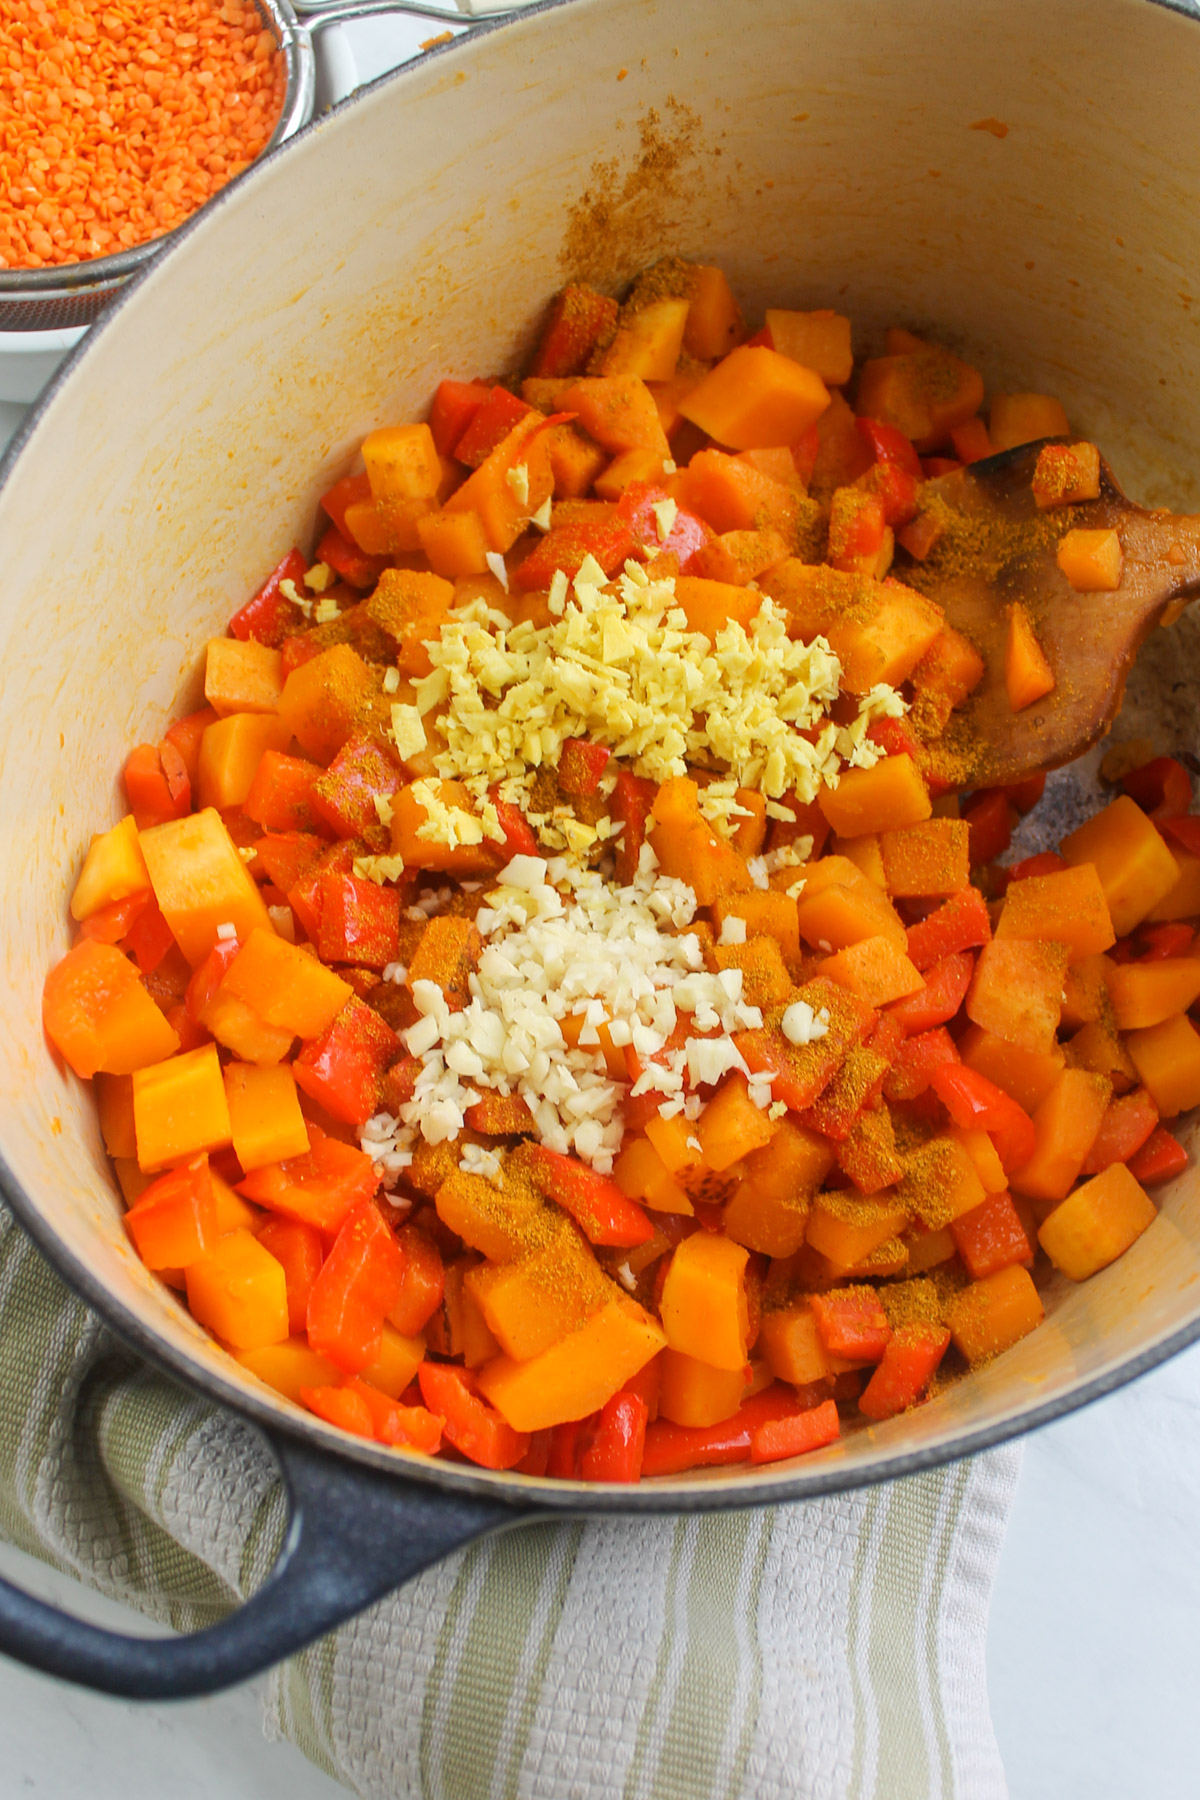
x: 561, y: 1003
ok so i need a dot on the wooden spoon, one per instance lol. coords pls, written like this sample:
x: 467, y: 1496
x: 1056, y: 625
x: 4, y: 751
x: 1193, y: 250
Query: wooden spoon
x: 999, y: 548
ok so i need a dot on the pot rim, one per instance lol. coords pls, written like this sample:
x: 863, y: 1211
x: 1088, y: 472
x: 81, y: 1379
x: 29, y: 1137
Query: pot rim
x: 560, y: 1497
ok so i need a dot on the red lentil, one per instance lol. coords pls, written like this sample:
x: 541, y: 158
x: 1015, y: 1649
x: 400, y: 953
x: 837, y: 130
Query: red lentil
x: 118, y: 118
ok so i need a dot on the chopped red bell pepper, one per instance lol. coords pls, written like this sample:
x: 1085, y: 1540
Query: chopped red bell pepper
x: 518, y: 833
x: 360, y: 922
x: 424, y: 1281
x: 499, y: 1115
x: 608, y: 540
x: 158, y: 785
x: 344, y: 1407
x: 269, y: 616
x: 208, y: 976
x: 1128, y: 1123
x: 687, y: 534
x: 887, y: 444
x: 455, y: 404
x: 945, y: 989
x: 1046, y: 862
x: 671, y: 1449
x: 351, y: 490
x: 173, y: 1222
x: 319, y: 1188
x: 1185, y: 831
x: 915, y: 1062
x: 805, y: 452
x: 989, y: 820
x: 489, y: 426
x: 393, y: 1422
x: 851, y: 1323
x: 971, y: 441
x: 342, y: 1068
x: 472, y: 1425
x: 581, y: 764
x: 113, y: 922
x: 630, y: 806
x: 905, y: 1370
x: 304, y: 895
x: 297, y: 650
x: 796, y: 1435
x: 359, y: 1283
x: 594, y: 1201
x: 1026, y: 793
x: 579, y: 319
x: 1160, y: 1157
x: 299, y: 1251
x: 1160, y: 941
x: 281, y: 795
x: 1163, y: 788
x: 991, y: 1237
x: 897, y: 491
x: 344, y: 794
x: 536, y: 1459
x: 186, y: 734
x: 617, y: 1441
x: 834, y: 1113
x: 933, y: 466
x: 345, y: 558
x: 149, y: 938
x: 288, y: 856
x: 962, y: 923
x: 565, y: 1440
x: 894, y: 737
x: 975, y: 1103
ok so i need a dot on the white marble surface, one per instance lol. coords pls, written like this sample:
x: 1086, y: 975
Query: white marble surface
x: 1094, y: 1647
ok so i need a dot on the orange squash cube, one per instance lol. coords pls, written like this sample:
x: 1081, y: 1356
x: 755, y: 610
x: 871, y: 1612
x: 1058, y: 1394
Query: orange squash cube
x: 624, y: 470
x: 402, y: 463
x: 321, y: 700
x: 398, y: 1361
x: 1097, y: 1223
x: 1149, y: 993
x: 540, y: 1298
x: 463, y: 859
x: 98, y: 1015
x: 714, y: 321
x: 923, y: 390
x: 1069, y: 907
x: 982, y: 1152
x: 940, y: 1183
x: 731, y: 1126
x: 201, y: 882
x: 113, y: 868
x: 993, y: 1314
x: 819, y: 340
x: 875, y: 970
x: 712, y: 605
x: 1167, y: 1059
x: 1183, y: 900
x: 1027, y: 672
x: 927, y: 860
x: 768, y: 1210
x: 265, y: 1120
x: 754, y: 398
x: 1066, y: 474
x: 1135, y: 868
x: 179, y: 1108
x: 1092, y: 561
x: 1066, y: 1124
x: 1016, y: 991
x: 284, y: 986
x: 694, y: 1393
x: 647, y: 342
x: 175, y: 1220
x: 114, y: 1104
x: 493, y: 1223
x: 230, y: 752
x: 242, y: 677
x: 1085, y: 991
x: 866, y: 855
x: 891, y: 794
x: 289, y: 1366
x: 847, y: 1228
x: 765, y: 913
x: 617, y: 411
x: 578, y: 1374
x: 790, y: 1343
x: 1023, y: 418
x: 455, y: 543
x: 832, y: 916
x: 1028, y: 1075
x: 239, y: 1292
x: 641, y: 1174
x: 703, y: 1308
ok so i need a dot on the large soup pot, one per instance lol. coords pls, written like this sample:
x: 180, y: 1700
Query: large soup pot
x: 822, y: 154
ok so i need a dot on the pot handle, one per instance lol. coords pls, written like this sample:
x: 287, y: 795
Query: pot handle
x: 315, y: 15
x: 353, y: 1534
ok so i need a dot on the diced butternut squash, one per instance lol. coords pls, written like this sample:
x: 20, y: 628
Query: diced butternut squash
x: 1027, y: 672
x: 493, y: 1223
x: 242, y: 677
x: 1135, y: 867
x: 891, y: 794
x: 819, y: 340
x: 791, y: 1344
x: 321, y: 700
x: 833, y: 914
x: 864, y: 852
x: 287, y: 988
x: 201, y: 882
x: 1066, y: 1124
x: 926, y: 860
x: 1016, y: 991
x: 578, y: 1374
x: 755, y: 397
x: 687, y: 846
x: 940, y: 1183
x: 731, y: 494
x: 1097, y: 1223
x: 1066, y: 474
x: 114, y: 1103
x: 98, y: 1015
x: 505, y: 506
x: 179, y: 1108
x: 647, y: 342
x: 230, y: 752
x: 1028, y: 1075
x: 289, y: 1366
x: 714, y: 321
x: 765, y: 913
x: 993, y: 1314
x: 541, y: 1298
x: 641, y: 1174
x: 846, y: 1228
x: 704, y: 1309
x: 399, y: 1358
x: 731, y: 1126
x: 455, y: 543
x: 402, y: 464
x: 1092, y: 561
x: 617, y: 411
x: 924, y: 392
x: 1183, y: 900
x: 113, y: 868
x: 1148, y: 993
x: 1085, y: 990
x: 694, y: 1393
x: 469, y: 857
x: 1023, y: 418
x: 1167, y: 1059
x: 875, y: 970
x: 1069, y: 906
x: 239, y: 1292
x: 982, y: 1152
x: 265, y: 1120
x: 768, y: 1210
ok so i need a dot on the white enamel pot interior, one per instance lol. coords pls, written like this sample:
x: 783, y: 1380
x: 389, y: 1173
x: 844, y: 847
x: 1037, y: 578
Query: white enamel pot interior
x: 823, y: 155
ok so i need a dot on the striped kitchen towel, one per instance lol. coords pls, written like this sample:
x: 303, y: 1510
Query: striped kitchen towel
x: 829, y: 1651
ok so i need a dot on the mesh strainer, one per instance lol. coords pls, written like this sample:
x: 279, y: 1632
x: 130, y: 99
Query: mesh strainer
x: 76, y: 293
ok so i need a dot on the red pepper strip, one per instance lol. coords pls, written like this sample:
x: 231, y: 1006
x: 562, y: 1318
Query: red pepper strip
x: 157, y: 783
x: 670, y: 1449
x: 269, y: 616
x: 609, y: 540
x: 795, y: 1436
x: 472, y: 1425
x: 915, y: 1061
x: 1025, y: 794
x: 1165, y: 940
x: 346, y: 559
x: 299, y: 1251
x: 945, y: 989
x: 851, y: 1323
x: 991, y: 1237
x: 961, y: 924
x: 990, y: 824
x: 618, y: 1441
x: 978, y: 1104
x: 149, y: 938
x: 581, y: 765
x: 1160, y: 1157
x: 424, y: 1281
x: 1163, y: 788
x: 455, y: 404
x: 407, y: 1427
x: 351, y: 490
x: 360, y: 922
x: 342, y: 1068
x: 490, y: 425
x: 630, y: 806
x: 340, y: 1406
x: 1185, y: 831
x: 687, y: 534
x: 536, y: 1459
x: 1046, y: 862
x: 174, y: 1220
x: 518, y: 833
x: 904, y: 1373
x: 565, y: 1443
x: 893, y: 736
x: 208, y: 977
x: 186, y: 735
x: 359, y: 1283
x: 595, y: 1202
x: 1128, y: 1123
x: 887, y: 444
x: 319, y: 1188
x: 113, y: 922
